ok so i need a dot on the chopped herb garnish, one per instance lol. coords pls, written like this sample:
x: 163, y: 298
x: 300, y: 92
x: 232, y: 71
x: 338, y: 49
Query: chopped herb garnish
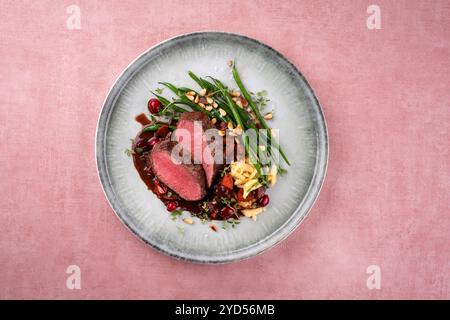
x: 225, y: 201
x: 262, y: 93
x: 175, y: 214
x: 128, y: 152
x: 159, y: 90
x: 261, y: 99
x: 224, y: 225
x: 204, y: 207
x: 234, y: 222
x: 225, y: 171
x: 281, y: 171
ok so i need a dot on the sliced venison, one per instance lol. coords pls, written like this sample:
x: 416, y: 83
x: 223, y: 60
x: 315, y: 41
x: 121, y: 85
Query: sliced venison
x: 187, y: 180
x: 201, y: 152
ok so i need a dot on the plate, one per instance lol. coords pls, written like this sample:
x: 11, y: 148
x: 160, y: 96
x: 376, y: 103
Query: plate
x: 298, y: 116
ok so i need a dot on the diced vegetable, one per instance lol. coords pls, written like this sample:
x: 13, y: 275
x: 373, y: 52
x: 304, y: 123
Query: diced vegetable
x: 227, y: 181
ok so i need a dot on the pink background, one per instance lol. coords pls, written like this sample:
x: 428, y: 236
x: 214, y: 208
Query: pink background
x: 385, y: 94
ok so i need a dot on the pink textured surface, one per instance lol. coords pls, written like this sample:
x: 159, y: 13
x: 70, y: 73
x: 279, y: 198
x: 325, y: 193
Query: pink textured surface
x: 385, y: 201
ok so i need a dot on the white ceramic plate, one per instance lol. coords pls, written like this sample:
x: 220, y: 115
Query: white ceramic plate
x: 298, y: 116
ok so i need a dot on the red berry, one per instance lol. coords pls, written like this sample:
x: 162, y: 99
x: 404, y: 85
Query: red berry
x: 213, y: 210
x: 151, y: 142
x: 226, y: 212
x: 154, y: 105
x: 213, y: 213
x: 258, y: 193
x: 263, y: 201
x: 223, y: 191
x: 163, y: 131
x: 171, y: 206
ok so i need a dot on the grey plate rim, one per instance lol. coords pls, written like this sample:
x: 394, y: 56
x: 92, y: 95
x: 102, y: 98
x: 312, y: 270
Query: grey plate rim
x: 261, y: 246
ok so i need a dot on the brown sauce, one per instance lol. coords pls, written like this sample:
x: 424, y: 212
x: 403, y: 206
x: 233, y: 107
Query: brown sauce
x: 143, y: 119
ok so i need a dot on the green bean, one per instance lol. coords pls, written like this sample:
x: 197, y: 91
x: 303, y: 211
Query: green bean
x: 184, y: 89
x: 260, y: 118
x: 251, y: 153
x: 183, y: 99
x: 156, y: 126
x: 173, y: 106
x: 152, y: 127
x: 163, y: 100
x: 242, y: 113
x: 230, y: 104
x: 219, y: 86
x: 209, y: 86
x: 166, y: 104
x: 181, y: 91
x: 178, y: 91
x: 202, y: 83
x: 194, y: 106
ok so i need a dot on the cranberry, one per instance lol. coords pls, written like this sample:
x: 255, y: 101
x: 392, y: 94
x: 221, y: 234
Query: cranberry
x: 171, y: 206
x: 163, y: 131
x: 263, y: 201
x: 258, y: 193
x: 151, y: 142
x: 213, y: 210
x: 213, y: 213
x: 223, y: 191
x: 226, y: 212
x: 154, y: 105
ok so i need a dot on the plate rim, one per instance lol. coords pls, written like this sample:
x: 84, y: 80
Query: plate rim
x: 257, y: 248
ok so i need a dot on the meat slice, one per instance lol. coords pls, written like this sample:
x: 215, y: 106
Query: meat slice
x: 187, y: 180
x: 202, y: 152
